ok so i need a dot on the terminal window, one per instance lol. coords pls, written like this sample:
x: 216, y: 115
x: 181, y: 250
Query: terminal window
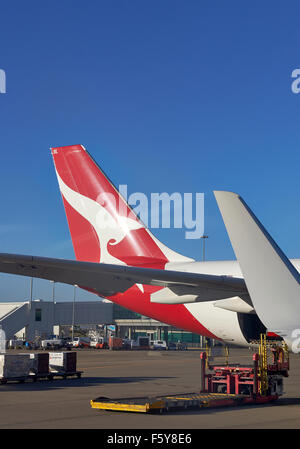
x: 38, y: 314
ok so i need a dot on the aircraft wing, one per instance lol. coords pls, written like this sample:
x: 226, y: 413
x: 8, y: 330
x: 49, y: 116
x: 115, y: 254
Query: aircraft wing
x: 273, y: 282
x: 109, y: 279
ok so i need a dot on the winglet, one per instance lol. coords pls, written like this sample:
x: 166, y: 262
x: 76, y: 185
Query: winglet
x: 272, y: 281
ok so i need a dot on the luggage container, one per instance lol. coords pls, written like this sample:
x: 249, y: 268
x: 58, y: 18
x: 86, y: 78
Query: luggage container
x: 115, y: 343
x: 14, y: 365
x: 39, y: 363
x: 62, y: 361
x: 142, y: 343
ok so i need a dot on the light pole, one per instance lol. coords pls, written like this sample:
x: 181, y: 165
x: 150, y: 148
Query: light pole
x: 53, y: 290
x: 203, y: 246
x: 53, y: 304
x: 73, y: 311
x: 31, y: 291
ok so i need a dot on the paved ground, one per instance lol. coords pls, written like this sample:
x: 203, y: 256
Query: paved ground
x: 65, y: 403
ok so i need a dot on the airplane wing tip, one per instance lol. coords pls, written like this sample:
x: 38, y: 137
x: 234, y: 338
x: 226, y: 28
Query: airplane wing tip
x: 222, y: 194
x: 67, y: 147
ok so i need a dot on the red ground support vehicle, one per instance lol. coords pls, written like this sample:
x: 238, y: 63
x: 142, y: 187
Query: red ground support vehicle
x: 261, y: 381
x: 99, y: 343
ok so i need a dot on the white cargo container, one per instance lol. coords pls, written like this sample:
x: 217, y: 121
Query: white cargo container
x: 62, y: 361
x: 14, y: 365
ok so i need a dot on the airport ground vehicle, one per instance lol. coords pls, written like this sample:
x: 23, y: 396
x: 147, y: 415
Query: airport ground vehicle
x: 81, y: 342
x: 16, y: 344
x: 99, y: 343
x: 171, y: 346
x: 181, y: 346
x: 53, y: 343
x: 225, y: 384
x: 68, y: 342
x: 158, y: 345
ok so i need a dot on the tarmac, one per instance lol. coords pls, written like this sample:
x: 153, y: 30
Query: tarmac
x: 65, y: 404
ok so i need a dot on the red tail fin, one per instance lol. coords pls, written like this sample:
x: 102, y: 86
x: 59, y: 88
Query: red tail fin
x: 103, y: 227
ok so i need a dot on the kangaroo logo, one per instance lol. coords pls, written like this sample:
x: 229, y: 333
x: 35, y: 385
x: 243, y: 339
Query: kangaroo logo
x: 111, y: 228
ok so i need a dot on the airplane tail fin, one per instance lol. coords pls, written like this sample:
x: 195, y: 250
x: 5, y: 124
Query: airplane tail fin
x: 272, y: 281
x: 103, y: 227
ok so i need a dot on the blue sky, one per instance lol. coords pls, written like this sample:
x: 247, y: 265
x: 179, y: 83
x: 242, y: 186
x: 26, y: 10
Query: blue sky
x: 168, y: 96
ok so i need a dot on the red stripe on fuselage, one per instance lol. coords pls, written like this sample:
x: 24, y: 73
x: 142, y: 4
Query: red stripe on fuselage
x: 176, y: 315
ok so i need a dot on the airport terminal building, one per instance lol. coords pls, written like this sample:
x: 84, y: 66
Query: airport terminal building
x: 39, y: 318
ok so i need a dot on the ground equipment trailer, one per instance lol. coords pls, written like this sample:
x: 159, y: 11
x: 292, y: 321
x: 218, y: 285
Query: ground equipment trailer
x: 53, y: 343
x: 220, y: 386
x: 40, y: 366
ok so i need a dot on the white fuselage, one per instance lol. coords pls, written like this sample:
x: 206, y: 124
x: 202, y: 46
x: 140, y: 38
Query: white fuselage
x: 224, y: 324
